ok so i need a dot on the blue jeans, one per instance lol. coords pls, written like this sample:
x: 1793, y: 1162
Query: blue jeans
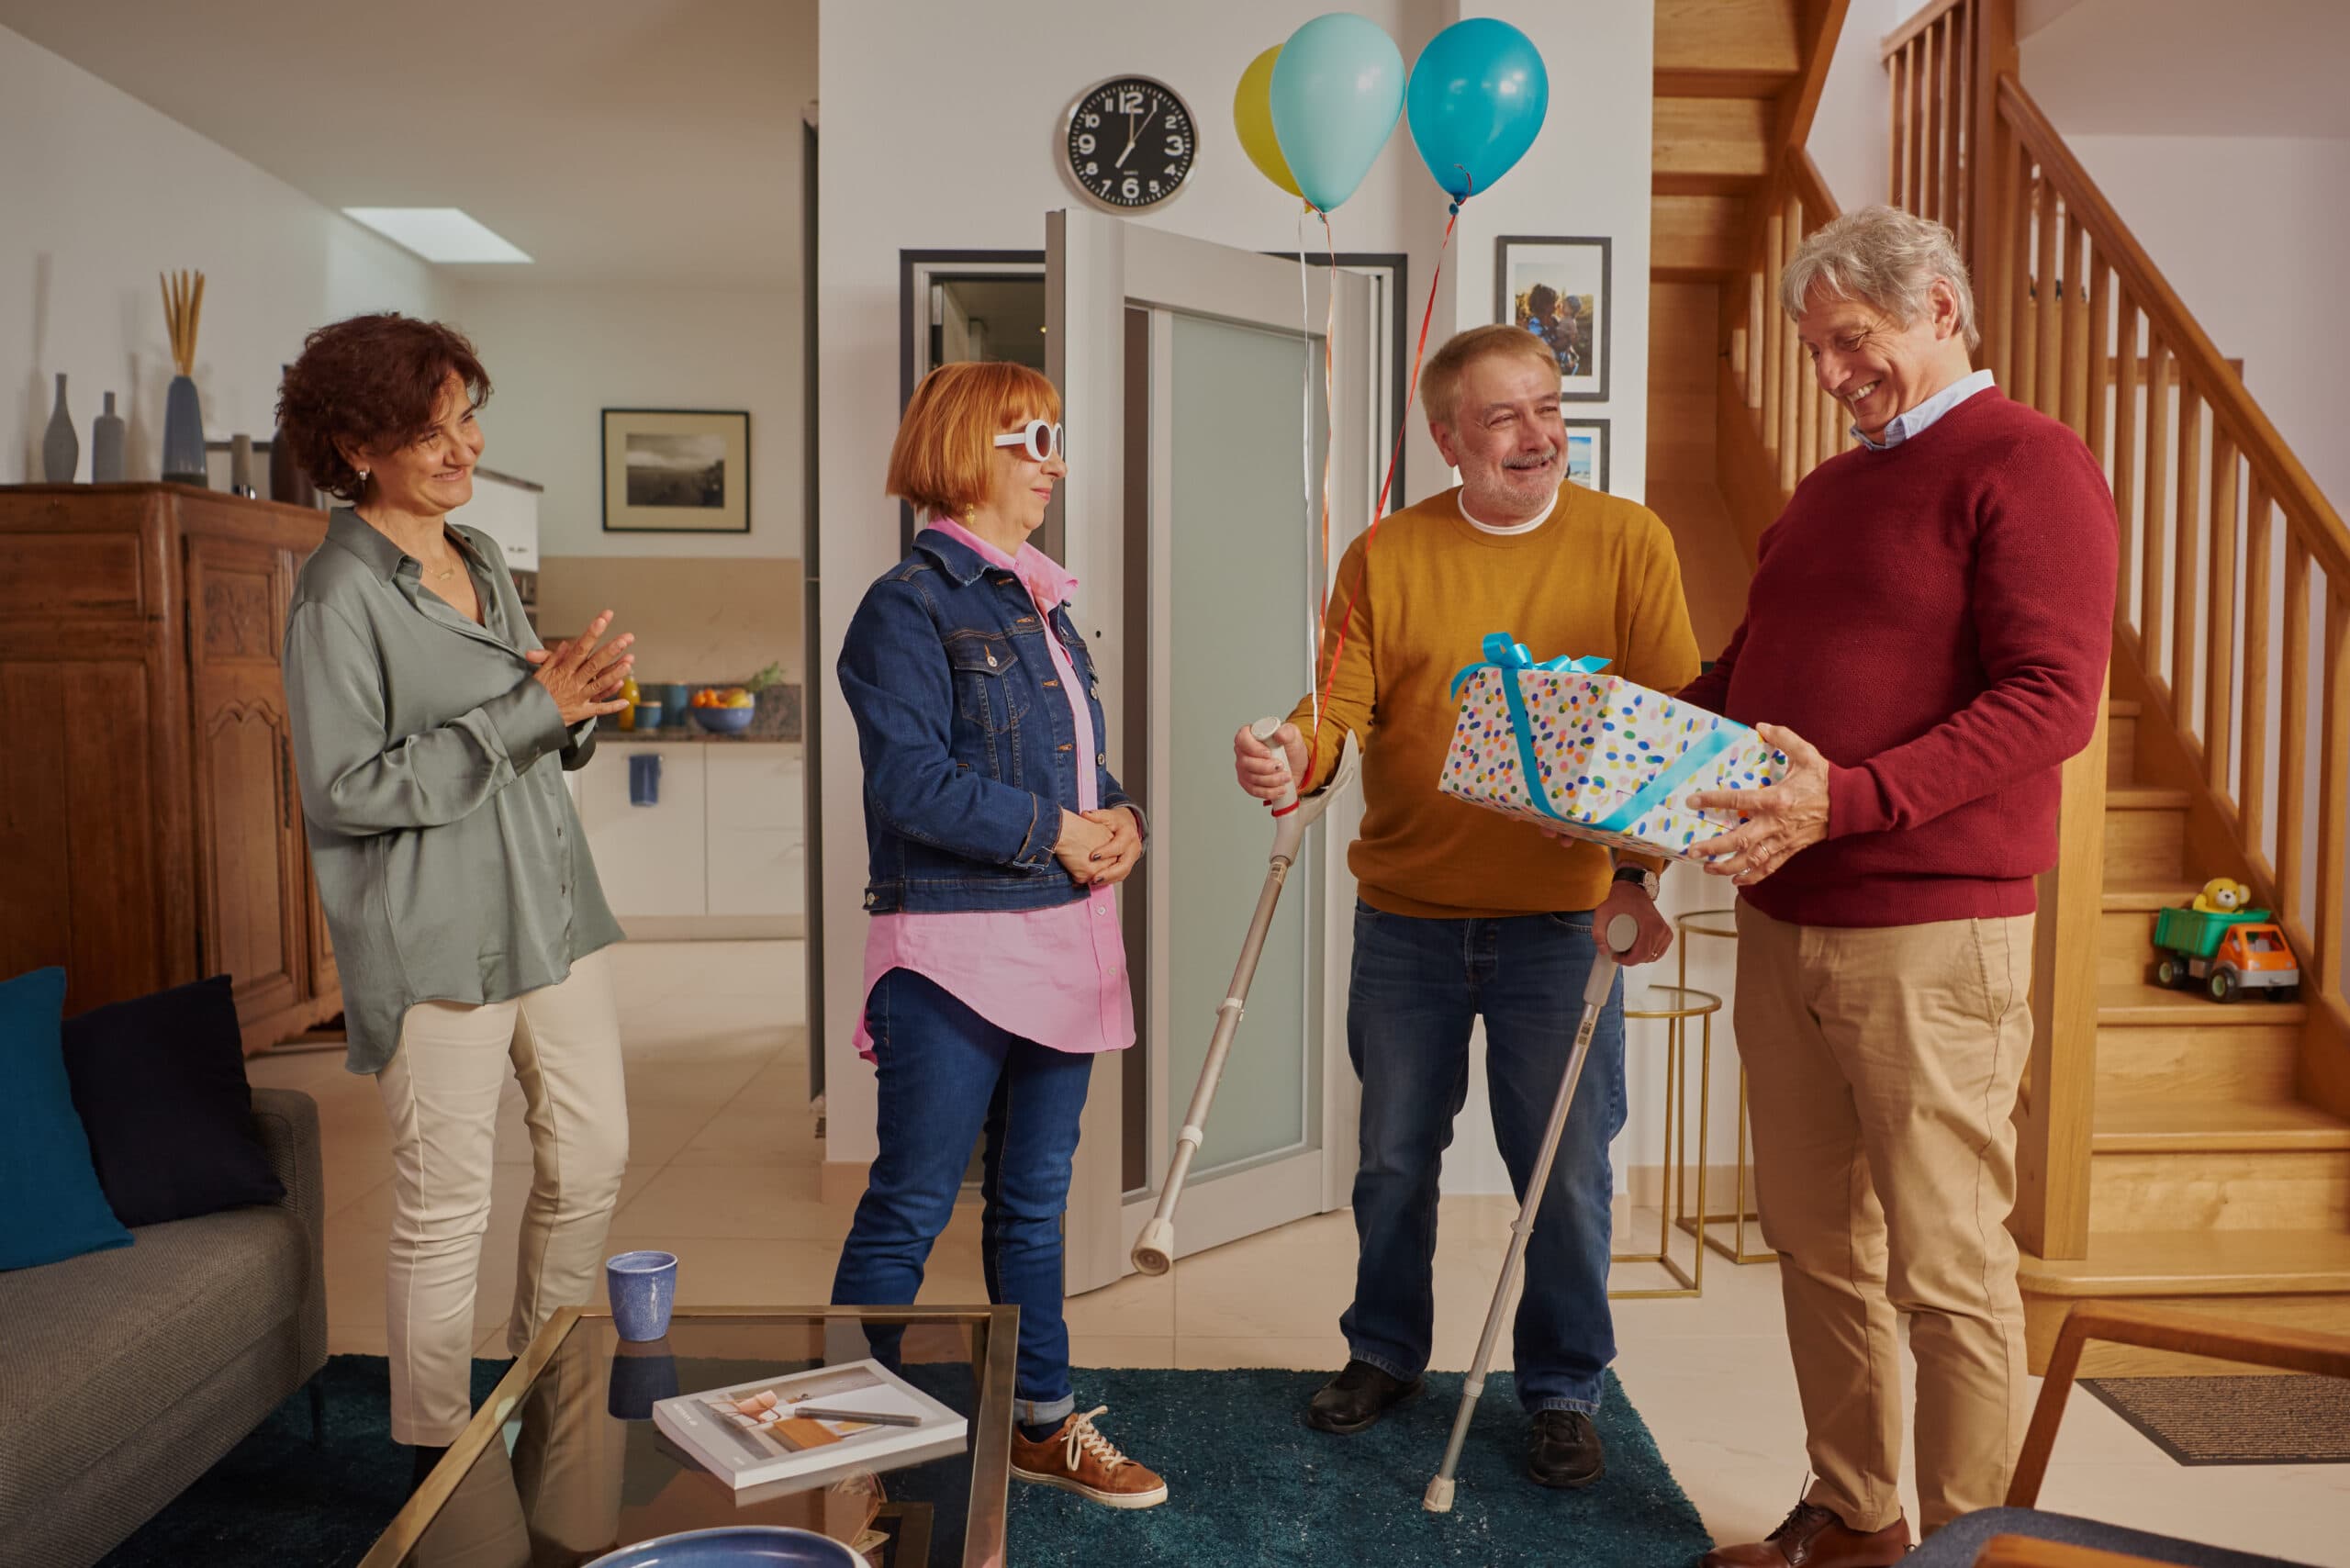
x: 947, y: 1076
x: 1417, y: 987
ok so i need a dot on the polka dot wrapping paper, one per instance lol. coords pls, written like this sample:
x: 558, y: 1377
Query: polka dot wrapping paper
x: 1598, y: 740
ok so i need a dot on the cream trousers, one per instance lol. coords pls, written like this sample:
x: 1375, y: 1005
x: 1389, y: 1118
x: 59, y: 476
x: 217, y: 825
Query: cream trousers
x: 1881, y: 1068
x: 441, y: 1090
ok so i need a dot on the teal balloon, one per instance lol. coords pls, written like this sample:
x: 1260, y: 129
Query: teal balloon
x: 1478, y: 96
x: 1338, y: 91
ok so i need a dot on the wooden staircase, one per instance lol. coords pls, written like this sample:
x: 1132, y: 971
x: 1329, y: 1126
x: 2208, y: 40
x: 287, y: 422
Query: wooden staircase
x: 2212, y: 1184
x: 2170, y: 1150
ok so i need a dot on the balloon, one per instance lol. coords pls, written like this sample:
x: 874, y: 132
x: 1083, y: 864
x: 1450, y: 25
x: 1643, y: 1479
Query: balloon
x: 1252, y: 117
x: 1337, y: 91
x: 1477, y: 98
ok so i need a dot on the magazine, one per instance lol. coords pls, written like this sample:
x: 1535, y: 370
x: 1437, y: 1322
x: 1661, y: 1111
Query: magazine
x: 751, y: 1434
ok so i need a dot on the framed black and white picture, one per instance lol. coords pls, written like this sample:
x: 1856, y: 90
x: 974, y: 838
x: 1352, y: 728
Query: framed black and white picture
x: 676, y: 471
x: 1587, y: 453
x: 1558, y: 290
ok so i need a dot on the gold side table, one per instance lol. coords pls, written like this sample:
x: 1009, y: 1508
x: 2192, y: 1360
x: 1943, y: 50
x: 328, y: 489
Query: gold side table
x: 1675, y: 1005
x: 1722, y: 923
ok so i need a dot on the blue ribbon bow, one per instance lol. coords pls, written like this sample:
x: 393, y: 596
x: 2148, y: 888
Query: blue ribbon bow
x: 1511, y: 657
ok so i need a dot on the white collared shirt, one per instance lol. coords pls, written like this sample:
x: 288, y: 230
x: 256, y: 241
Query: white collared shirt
x: 1914, y: 421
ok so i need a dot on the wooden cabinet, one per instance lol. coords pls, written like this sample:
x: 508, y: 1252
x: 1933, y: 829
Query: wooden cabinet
x: 149, y: 820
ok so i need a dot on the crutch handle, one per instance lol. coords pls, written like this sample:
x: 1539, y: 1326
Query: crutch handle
x: 1615, y: 941
x: 1265, y: 729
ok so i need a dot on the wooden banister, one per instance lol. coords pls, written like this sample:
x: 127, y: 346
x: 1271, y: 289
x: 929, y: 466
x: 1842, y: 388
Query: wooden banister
x: 1920, y: 24
x: 2199, y: 361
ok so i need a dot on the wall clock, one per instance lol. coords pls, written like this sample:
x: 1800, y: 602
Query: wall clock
x: 1130, y: 144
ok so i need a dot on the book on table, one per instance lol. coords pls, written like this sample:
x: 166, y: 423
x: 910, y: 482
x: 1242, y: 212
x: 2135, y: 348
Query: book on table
x: 752, y: 1434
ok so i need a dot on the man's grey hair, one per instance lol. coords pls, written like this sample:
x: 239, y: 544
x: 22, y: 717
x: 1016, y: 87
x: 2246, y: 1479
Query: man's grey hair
x: 1884, y: 257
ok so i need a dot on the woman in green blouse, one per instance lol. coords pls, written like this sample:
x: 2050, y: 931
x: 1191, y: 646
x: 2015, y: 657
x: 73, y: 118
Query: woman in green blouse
x: 430, y: 735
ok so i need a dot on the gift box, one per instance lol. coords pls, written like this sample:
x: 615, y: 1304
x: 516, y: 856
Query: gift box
x: 1594, y: 756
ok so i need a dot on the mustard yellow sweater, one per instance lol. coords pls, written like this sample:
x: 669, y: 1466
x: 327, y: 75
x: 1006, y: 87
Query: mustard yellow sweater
x: 1599, y: 577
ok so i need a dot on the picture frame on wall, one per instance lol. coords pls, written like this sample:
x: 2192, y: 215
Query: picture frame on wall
x: 1587, y: 453
x: 676, y: 471
x: 1560, y: 289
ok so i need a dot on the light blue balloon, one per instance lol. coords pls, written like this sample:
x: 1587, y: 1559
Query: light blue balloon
x: 1338, y: 91
x: 1478, y: 96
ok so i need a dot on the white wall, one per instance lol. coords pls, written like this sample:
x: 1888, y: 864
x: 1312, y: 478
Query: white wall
x: 101, y: 193
x: 1848, y: 133
x: 945, y: 119
x: 560, y: 355
x: 2251, y: 231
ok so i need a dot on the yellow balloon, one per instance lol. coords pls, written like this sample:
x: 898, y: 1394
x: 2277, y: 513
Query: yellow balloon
x: 1252, y: 117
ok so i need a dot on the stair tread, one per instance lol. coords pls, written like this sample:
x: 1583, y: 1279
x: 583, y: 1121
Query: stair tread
x: 2148, y: 893
x: 2121, y: 708
x: 2146, y: 797
x: 2146, y: 1003
x: 2197, y: 1263
x: 2192, y: 1123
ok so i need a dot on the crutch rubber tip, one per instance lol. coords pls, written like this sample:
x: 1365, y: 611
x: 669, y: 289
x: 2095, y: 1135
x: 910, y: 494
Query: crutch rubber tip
x: 1440, y: 1495
x: 1154, y: 1251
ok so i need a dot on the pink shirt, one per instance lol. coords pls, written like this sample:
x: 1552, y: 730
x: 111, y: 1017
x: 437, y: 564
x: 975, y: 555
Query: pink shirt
x: 1055, y: 976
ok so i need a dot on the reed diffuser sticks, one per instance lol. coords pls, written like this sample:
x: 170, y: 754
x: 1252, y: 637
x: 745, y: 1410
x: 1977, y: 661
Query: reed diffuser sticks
x: 183, y: 308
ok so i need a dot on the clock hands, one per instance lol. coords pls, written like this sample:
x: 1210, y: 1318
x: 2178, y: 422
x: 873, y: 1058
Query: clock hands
x: 1134, y: 134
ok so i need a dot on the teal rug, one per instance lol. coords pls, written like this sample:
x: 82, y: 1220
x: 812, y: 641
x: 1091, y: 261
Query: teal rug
x: 1251, y: 1486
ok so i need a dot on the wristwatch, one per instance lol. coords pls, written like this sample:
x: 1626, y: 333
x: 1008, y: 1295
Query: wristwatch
x: 1649, y: 882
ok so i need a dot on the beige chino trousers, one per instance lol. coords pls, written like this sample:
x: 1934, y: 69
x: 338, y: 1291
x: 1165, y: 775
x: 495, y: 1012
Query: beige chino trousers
x: 1882, y: 1069
x: 441, y: 1090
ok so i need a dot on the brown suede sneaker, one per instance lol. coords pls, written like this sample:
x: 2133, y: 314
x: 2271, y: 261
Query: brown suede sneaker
x: 1814, y: 1537
x: 1078, y: 1459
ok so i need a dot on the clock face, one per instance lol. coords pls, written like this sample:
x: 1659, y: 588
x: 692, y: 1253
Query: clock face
x: 1131, y: 142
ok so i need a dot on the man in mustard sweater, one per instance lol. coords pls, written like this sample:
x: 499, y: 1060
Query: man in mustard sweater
x: 1465, y: 912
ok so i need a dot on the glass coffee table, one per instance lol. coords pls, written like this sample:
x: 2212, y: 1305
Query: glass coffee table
x: 563, y: 1461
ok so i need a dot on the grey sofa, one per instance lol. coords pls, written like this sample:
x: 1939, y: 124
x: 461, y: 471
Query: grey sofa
x: 124, y: 1375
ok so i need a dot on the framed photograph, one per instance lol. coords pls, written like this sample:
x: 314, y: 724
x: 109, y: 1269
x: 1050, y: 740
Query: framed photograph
x: 1558, y: 290
x: 1587, y: 453
x: 676, y: 471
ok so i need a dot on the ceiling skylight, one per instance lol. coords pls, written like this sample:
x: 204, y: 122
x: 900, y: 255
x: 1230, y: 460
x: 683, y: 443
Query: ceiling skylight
x: 437, y: 233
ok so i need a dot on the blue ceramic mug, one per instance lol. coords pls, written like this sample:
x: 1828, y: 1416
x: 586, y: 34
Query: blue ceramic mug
x: 643, y: 1287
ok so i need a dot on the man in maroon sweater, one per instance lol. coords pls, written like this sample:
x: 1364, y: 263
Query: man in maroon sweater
x: 1926, y: 638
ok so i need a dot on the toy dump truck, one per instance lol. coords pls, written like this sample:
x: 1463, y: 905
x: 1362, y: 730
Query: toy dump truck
x: 2226, y: 954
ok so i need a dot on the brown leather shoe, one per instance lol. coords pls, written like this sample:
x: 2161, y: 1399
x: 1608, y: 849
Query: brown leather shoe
x: 1814, y: 1537
x: 1078, y: 1459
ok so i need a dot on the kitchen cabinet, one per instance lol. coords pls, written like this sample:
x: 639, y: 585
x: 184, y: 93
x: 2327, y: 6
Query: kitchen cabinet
x: 721, y: 851
x: 150, y: 823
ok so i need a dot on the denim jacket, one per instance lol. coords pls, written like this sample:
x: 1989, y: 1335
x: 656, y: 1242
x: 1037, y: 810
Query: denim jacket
x: 969, y: 753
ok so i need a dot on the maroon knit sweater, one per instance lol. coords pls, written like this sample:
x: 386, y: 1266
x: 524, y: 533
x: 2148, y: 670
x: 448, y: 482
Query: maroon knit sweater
x: 1936, y: 619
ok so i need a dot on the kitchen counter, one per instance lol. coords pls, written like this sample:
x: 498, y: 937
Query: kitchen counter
x: 692, y: 735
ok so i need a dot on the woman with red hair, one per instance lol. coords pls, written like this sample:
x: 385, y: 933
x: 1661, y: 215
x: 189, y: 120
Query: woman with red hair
x: 431, y: 736
x: 994, y: 970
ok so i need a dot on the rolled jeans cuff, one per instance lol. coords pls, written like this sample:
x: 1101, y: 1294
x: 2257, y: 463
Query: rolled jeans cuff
x: 1561, y: 1402
x: 1372, y: 1359
x: 1045, y: 1413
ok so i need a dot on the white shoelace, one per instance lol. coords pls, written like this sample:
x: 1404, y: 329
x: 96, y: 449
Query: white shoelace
x: 1083, y: 1436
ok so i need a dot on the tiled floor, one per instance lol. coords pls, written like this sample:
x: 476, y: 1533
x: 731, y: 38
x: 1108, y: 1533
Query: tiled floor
x: 723, y: 1172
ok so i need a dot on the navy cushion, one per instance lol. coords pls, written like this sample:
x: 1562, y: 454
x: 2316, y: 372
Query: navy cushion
x: 160, y: 1083
x: 54, y: 1208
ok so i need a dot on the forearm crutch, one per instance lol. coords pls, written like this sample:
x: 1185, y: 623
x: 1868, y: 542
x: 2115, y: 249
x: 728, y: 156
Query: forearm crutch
x: 1154, y: 1251
x: 1621, y: 932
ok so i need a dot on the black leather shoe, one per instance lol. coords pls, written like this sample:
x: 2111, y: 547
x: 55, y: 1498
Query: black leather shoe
x: 1355, y: 1399
x: 1563, y: 1450
x: 426, y: 1456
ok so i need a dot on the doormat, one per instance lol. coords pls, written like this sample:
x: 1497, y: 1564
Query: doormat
x: 2293, y: 1420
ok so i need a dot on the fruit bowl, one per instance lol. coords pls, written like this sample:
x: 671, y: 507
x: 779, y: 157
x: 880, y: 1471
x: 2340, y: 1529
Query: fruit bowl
x: 723, y: 720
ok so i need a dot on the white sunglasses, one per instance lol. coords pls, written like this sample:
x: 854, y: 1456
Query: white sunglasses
x: 1042, y: 439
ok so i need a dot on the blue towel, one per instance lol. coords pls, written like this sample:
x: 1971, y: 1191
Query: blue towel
x: 644, y: 779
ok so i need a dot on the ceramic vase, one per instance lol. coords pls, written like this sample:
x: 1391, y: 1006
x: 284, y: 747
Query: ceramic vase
x: 61, y: 449
x: 287, y: 483
x: 184, y: 435
x: 106, y: 433
x: 240, y: 466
